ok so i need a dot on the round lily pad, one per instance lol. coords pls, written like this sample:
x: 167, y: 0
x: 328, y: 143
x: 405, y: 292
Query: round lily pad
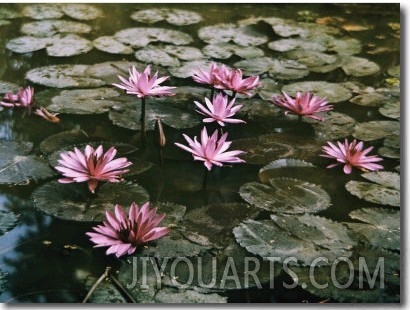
x: 156, y: 56
x: 284, y: 45
x: 285, y: 195
x: 221, y: 33
x: 369, y: 100
x: 81, y: 11
x: 373, y: 130
x: 173, y: 16
x: 186, y: 69
x: 312, y: 58
x: 42, y: 11
x: 344, y: 46
x: 333, y: 92
x: 27, y: 44
x: 8, y: 220
x: 285, y: 167
x: 287, y: 70
x: 7, y: 87
x: 394, y: 71
x: 51, y: 27
x: 74, y: 201
x: 357, y: 66
x: 226, y: 50
x: 69, y: 45
x: 256, y: 66
x: 391, y: 109
x: 385, y: 178
x: 382, y: 228
x: 62, y: 139
x: 110, y: 45
x: 269, y: 88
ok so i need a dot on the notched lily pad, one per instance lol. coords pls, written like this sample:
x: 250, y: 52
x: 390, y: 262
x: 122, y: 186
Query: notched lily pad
x: 226, y: 50
x: 82, y: 11
x: 369, y: 99
x: 333, y: 92
x: 357, y: 66
x: 74, y: 202
x: 222, y: 33
x: 285, y: 195
x: 69, y: 45
x: 51, y: 27
x: 381, y: 227
x: 110, y: 45
x: 42, y: 11
x: 62, y: 139
x: 173, y: 16
x: 385, y: 178
x: 373, y: 130
x: 287, y: 70
x: 284, y: 45
x: 391, y: 109
x: 27, y: 44
x: 18, y: 167
x: 156, y: 56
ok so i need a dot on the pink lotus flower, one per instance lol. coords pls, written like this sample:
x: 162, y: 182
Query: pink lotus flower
x: 219, y: 110
x: 208, y: 77
x: 211, y: 150
x: 351, y: 155
x: 232, y: 80
x: 24, y: 98
x: 91, y: 166
x: 143, y: 85
x: 51, y: 117
x: 123, y: 235
x: 303, y: 105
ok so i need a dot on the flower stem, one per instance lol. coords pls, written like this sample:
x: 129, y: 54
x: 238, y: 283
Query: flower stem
x: 100, y: 279
x: 142, y: 121
x: 205, y: 180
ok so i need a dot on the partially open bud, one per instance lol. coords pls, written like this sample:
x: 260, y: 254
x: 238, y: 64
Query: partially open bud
x: 161, y: 136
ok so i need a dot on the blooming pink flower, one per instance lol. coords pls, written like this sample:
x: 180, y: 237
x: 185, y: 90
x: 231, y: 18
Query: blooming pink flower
x: 211, y: 150
x: 143, y: 84
x: 208, y: 77
x: 303, y: 105
x: 24, y: 98
x: 122, y: 234
x: 91, y: 166
x: 219, y: 110
x: 51, y: 117
x: 232, y: 80
x: 351, y: 155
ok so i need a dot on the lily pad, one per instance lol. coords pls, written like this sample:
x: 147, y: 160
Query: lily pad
x: 226, y: 50
x: 74, y: 202
x: 8, y: 220
x: 63, y: 76
x: 385, y: 192
x: 140, y: 37
x: 287, y: 70
x: 84, y: 101
x: 173, y: 16
x: 268, y: 89
x: 389, y: 152
x: 69, y: 45
x: 128, y: 116
x: 255, y: 66
x: 312, y: 58
x: 357, y: 66
x: 7, y: 87
x: 223, y: 33
x: 333, y: 92
x: 303, y: 237
x: 254, y: 109
x: 18, y: 167
x: 344, y: 46
x: 286, y: 163
x: 369, y: 100
x: 382, y: 228
x: 62, y: 139
x: 3, y: 281
x: 285, y: 167
x: 285, y: 195
x: 208, y: 226
x: 394, y: 71
x: 373, y: 130
x: 284, y: 45
x: 42, y: 11
x: 82, y: 11
x: 51, y: 27
x: 156, y: 56
x: 110, y: 45
x: 391, y: 109
x: 27, y: 44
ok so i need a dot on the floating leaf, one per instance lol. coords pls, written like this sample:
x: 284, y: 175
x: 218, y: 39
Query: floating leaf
x: 389, y: 152
x: 173, y: 16
x: 256, y: 109
x: 391, y: 109
x: 42, y: 11
x: 49, y: 28
x: 284, y: 45
x: 84, y: 101
x: 226, y: 50
x: 82, y: 11
x: 369, y: 100
x: 140, y: 37
x: 344, y: 46
x: 128, y: 116
x: 286, y: 163
x: 382, y: 228
x: 255, y: 66
x: 284, y: 195
x: 373, y: 130
x: 285, y: 167
x: 304, y: 238
x: 268, y: 89
x: 7, y: 87
x: 17, y: 167
x: 394, y: 71
x: 62, y: 139
x: 312, y: 58
x: 385, y: 192
x: 27, y: 44
x: 75, y: 202
x: 357, y: 66
x: 223, y: 33
x: 156, y: 56
x: 8, y: 220
x: 333, y: 92
x: 69, y: 45
x: 186, y: 69
x: 287, y: 70
x: 3, y: 281
x: 111, y: 45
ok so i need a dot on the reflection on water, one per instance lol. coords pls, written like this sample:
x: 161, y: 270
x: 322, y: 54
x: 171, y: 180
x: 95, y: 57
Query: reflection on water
x: 49, y: 260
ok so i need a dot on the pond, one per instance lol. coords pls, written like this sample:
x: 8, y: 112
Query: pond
x: 268, y: 223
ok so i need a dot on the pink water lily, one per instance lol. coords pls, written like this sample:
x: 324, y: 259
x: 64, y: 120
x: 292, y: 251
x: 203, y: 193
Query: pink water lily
x: 142, y: 84
x: 24, y: 98
x: 124, y: 234
x: 208, y: 77
x: 92, y: 166
x: 351, y: 154
x: 233, y: 80
x: 304, y: 104
x: 211, y: 150
x: 219, y: 110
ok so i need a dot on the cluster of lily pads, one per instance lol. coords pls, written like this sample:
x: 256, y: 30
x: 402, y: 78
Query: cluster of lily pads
x: 276, y: 214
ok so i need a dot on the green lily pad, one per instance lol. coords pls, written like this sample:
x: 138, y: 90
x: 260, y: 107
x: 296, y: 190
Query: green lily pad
x: 303, y: 237
x: 18, y: 167
x: 254, y: 109
x: 51, y: 27
x: 286, y: 163
x: 84, y: 101
x: 391, y: 109
x: 156, y: 56
x: 285, y: 167
x: 223, y: 33
x: 333, y: 92
x: 226, y: 50
x: 82, y: 11
x: 110, y: 45
x: 285, y: 195
x: 382, y: 228
x: 42, y: 11
x: 287, y: 70
x: 140, y: 37
x: 128, y: 115
x: 373, y: 130
x: 385, y: 192
x: 394, y: 71
x: 173, y: 16
x: 369, y: 100
x: 27, y: 44
x: 256, y: 66
x: 357, y: 66
x: 186, y: 53
x: 74, y: 202
x: 268, y: 89
x: 186, y: 69
x: 62, y: 139
x: 7, y: 87
x: 8, y: 220
x: 69, y: 45
x: 389, y: 152
x: 344, y: 46
x: 284, y: 45
x: 312, y: 58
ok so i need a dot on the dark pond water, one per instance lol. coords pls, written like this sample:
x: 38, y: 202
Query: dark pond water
x: 44, y: 259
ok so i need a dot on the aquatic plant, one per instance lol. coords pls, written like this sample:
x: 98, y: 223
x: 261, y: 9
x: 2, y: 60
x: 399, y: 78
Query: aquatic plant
x: 233, y: 80
x: 24, y: 98
x: 51, y: 117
